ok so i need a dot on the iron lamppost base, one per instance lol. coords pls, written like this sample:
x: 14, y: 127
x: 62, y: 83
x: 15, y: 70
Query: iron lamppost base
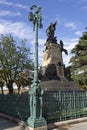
x: 36, y: 102
x: 37, y: 124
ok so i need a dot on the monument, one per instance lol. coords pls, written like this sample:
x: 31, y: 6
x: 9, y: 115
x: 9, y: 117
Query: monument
x: 52, y: 72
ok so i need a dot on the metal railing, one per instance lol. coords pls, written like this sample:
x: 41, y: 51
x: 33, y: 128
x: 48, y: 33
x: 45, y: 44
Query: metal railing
x: 15, y: 105
x: 63, y: 105
x: 58, y: 106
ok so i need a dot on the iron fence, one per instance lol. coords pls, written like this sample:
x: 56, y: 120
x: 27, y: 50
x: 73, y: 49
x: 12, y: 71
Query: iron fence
x: 57, y: 106
x: 62, y: 105
x: 15, y: 105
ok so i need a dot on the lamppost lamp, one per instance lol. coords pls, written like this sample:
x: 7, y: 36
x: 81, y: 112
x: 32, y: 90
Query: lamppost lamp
x: 36, y: 92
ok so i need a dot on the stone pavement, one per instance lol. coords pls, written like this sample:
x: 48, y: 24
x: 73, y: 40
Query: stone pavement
x: 78, y: 126
x: 8, y: 125
x: 74, y: 124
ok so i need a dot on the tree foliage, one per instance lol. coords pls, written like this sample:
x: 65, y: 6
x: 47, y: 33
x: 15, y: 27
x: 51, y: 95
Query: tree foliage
x: 79, y: 60
x: 14, y: 60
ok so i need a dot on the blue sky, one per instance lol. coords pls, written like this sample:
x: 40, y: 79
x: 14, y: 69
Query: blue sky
x: 71, y: 17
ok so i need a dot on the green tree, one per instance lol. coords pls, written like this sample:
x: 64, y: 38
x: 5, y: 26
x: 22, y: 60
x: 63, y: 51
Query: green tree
x: 79, y: 60
x: 13, y: 60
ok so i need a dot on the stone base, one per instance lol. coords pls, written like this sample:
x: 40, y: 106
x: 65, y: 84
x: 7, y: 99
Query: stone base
x: 60, y: 85
x: 38, y: 128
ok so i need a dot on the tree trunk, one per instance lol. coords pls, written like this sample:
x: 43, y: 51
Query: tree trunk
x: 19, y: 89
x: 2, y: 90
x: 10, y: 86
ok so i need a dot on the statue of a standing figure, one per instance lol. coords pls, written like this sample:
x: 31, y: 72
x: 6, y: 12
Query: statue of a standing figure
x: 51, y: 32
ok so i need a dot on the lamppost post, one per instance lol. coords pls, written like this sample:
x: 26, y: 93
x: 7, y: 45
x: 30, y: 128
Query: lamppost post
x: 36, y: 118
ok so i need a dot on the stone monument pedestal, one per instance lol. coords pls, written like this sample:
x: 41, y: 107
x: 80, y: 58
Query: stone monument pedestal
x: 60, y: 85
x: 52, y: 56
x: 52, y: 71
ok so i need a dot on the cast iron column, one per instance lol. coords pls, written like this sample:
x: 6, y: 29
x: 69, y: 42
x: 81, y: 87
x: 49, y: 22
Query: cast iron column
x: 36, y: 92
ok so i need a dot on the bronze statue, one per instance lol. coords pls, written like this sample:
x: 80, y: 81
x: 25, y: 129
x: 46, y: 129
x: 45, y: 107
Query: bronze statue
x: 50, y: 31
x: 62, y: 48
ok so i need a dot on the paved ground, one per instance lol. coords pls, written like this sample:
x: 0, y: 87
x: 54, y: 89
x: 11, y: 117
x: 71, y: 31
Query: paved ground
x: 78, y: 126
x: 8, y: 125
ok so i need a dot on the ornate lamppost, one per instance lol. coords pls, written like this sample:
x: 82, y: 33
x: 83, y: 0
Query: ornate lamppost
x: 36, y: 92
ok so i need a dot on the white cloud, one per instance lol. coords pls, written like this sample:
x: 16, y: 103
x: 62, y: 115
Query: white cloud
x: 13, y: 4
x: 69, y: 44
x: 84, y: 7
x: 18, y: 29
x: 78, y: 33
x: 70, y: 25
x: 9, y: 13
x: 66, y: 59
x: 42, y: 41
x: 2, y: 29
